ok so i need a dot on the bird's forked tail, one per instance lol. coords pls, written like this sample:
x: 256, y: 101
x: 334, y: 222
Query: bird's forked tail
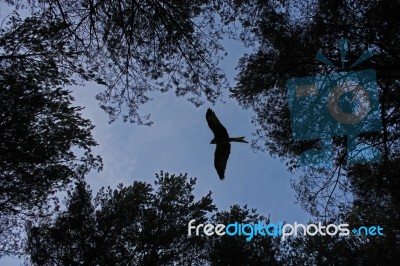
x: 239, y: 139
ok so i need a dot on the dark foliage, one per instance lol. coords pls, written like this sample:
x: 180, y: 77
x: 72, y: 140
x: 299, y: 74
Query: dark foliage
x: 287, y: 35
x: 137, y: 47
x: 236, y: 250
x: 45, y: 142
x: 135, y: 225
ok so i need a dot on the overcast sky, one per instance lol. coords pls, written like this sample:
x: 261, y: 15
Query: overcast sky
x: 178, y: 142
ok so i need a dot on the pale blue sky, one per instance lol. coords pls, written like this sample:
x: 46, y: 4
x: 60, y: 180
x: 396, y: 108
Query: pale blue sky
x: 178, y: 142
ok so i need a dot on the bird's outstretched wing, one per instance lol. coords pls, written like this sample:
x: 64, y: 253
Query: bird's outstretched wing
x: 217, y: 128
x: 221, y: 156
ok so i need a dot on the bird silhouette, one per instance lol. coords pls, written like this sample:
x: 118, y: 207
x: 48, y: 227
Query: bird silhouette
x: 222, y: 141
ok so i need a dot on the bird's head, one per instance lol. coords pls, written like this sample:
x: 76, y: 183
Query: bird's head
x: 213, y: 141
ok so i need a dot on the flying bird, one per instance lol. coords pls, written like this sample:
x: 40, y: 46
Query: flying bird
x: 221, y: 139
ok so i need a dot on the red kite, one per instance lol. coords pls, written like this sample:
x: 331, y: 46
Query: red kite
x: 221, y: 139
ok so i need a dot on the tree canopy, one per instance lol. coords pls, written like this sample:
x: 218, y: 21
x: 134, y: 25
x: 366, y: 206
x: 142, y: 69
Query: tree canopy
x: 45, y: 142
x: 139, y: 224
x: 288, y: 35
x: 136, y: 47
x: 144, y: 224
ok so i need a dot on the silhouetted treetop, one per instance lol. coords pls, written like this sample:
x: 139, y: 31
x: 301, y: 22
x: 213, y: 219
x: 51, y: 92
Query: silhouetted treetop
x: 138, y: 224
